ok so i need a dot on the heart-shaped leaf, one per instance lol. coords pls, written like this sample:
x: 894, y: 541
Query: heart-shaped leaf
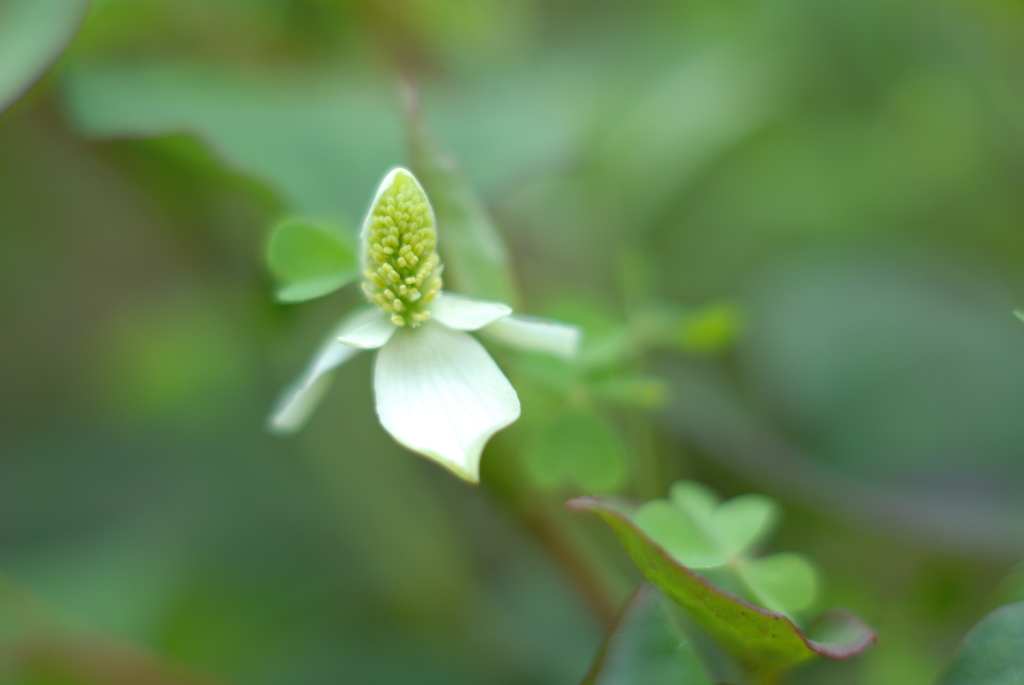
x: 992, y: 653
x: 742, y: 522
x: 785, y: 582
x: 577, y: 448
x: 700, y: 530
x: 765, y: 642
x: 697, y: 500
x: 677, y: 533
x: 310, y: 259
x: 644, y: 647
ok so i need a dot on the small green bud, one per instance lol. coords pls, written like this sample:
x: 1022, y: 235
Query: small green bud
x: 402, y: 273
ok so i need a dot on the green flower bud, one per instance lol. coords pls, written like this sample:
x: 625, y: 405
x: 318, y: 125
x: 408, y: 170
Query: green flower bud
x: 402, y: 270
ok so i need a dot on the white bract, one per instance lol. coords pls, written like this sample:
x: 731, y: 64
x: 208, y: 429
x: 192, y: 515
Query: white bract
x: 438, y: 391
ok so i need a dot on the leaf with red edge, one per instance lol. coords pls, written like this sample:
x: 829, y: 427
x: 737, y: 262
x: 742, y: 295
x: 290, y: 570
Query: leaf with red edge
x: 763, y: 641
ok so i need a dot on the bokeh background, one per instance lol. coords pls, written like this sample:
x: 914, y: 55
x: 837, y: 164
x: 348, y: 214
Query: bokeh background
x: 793, y: 230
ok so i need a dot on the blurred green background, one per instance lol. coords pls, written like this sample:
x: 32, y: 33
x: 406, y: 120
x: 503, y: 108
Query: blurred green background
x: 793, y: 230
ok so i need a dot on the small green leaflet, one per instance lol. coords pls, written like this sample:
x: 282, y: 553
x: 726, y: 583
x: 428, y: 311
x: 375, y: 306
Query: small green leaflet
x: 310, y: 259
x: 785, y: 582
x: 763, y: 641
x: 700, y: 530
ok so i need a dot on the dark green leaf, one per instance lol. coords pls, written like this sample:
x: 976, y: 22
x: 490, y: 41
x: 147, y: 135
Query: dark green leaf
x: 992, y: 653
x: 33, y: 34
x: 764, y: 641
x: 643, y: 647
x: 310, y: 259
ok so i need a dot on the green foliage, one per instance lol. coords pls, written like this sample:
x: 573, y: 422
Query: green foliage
x: 645, y: 647
x: 702, y: 532
x: 311, y: 259
x: 821, y: 202
x: 783, y: 582
x: 578, y: 448
x: 33, y: 35
x: 763, y: 641
x: 992, y: 653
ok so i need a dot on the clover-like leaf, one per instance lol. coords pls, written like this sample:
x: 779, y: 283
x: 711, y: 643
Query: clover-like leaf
x: 676, y: 532
x: 785, y: 582
x: 992, y: 653
x: 700, y: 530
x: 580, y: 448
x: 765, y: 642
x: 310, y: 259
x: 742, y: 522
x: 697, y: 500
x: 644, y: 647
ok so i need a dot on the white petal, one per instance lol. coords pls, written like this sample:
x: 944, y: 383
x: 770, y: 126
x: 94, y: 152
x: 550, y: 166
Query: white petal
x: 466, y: 313
x: 533, y: 334
x: 440, y: 394
x: 298, y: 402
x: 367, y: 329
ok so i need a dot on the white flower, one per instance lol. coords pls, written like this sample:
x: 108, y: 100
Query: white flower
x: 438, y: 391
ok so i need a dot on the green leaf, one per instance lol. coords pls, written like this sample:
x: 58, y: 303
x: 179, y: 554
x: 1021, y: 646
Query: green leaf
x: 477, y: 262
x: 1019, y: 313
x: 310, y: 259
x: 676, y: 532
x: 763, y: 641
x: 992, y: 653
x: 697, y: 500
x: 580, y: 448
x: 735, y: 525
x: 742, y: 522
x: 785, y: 582
x: 644, y: 647
x: 33, y: 34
